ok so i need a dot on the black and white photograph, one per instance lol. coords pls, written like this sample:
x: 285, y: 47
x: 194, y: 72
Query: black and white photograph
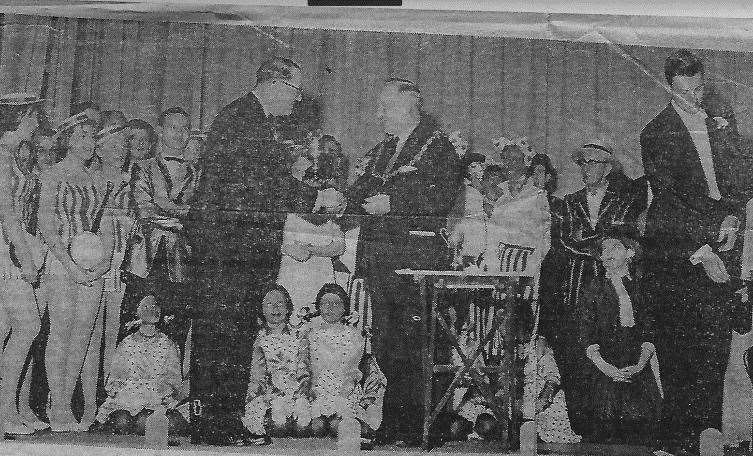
x: 234, y: 229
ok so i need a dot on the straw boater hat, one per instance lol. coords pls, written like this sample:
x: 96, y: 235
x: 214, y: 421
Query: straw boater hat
x: 106, y: 132
x: 597, y: 149
x: 19, y: 99
x: 73, y: 121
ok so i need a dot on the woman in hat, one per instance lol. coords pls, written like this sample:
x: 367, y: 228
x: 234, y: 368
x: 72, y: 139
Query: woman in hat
x: 21, y: 252
x: 72, y: 205
x: 117, y: 168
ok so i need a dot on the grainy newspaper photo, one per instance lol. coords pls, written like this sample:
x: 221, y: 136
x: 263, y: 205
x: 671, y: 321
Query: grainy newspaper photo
x: 282, y: 230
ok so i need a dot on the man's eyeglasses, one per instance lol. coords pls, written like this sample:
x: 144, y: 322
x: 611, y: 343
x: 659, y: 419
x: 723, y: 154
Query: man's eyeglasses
x: 298, y: 89
x: 695, y: 90
x: 592, y: 162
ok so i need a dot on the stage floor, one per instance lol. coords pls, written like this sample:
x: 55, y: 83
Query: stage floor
x: 93, y: 444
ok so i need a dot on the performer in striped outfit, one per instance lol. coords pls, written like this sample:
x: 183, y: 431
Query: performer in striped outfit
x: 20, y: 251
x: 117, y: 168
x: 71, y: 197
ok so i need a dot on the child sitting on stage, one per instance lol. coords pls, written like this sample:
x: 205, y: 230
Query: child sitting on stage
x: 543, y: 399
x: 274, y: 400
x: 145, y: 374
x: 616, y: 333
x: 332, y: 350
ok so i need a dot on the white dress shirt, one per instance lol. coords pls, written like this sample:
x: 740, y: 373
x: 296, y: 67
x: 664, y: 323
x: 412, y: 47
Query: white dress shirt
x: 594, y: 203
x: 696, y: 125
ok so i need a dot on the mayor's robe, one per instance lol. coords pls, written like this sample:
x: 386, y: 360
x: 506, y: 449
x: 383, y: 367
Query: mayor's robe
x: 422, y: 186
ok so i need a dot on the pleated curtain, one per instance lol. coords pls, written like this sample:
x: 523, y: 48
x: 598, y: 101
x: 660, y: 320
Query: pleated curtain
x: 558, y: 93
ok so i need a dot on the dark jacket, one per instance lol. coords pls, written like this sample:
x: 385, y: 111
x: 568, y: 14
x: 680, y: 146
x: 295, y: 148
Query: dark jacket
x: 419, y: 199
x: 682, y: 216
x: 246, y: 189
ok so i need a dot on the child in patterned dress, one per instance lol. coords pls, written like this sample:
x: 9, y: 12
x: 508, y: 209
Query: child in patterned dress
x: 275, y: 400
x: 332, y: 350
x: 543, y: 400
x: 145, y: 374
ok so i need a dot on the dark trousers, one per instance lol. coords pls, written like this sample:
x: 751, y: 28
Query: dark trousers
x: 398, y: 325
x: 694, y: 318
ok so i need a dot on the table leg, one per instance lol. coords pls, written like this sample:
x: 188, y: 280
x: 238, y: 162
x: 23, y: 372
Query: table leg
x: 429, y: 311
x: 510, y: 360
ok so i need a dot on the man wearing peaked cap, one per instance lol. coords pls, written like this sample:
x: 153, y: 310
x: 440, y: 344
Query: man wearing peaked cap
x: 587, y: 214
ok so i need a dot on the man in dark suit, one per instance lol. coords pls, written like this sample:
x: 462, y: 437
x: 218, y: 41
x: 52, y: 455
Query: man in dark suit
x: 699, y: 180
x: 603, y: 205
x: 236, y: 224
x: 408, y: 186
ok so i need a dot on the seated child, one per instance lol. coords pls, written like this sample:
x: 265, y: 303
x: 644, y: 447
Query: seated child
x: 145, y: 373
x: 332, y: 350
x: 543, y: 399
x: 616, y: 332
x: 274, y: 400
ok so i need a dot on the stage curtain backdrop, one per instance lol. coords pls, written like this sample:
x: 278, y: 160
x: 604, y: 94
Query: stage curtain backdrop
x: 558, y: 93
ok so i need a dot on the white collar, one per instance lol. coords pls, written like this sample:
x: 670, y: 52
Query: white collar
x: 404, y: 135
x: 685, y: 115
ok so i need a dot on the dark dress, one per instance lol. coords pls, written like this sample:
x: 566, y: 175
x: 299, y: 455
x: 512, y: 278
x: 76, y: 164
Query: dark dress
x: 235, y: 228
x: 420, y: 201
x: 626, y: 412
x: 578, y: 242
x: 695, y: 315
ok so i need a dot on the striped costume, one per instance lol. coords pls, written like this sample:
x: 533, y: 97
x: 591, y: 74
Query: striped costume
x: 123, y: 226
x: 25, y: 190
x: 75, y: 207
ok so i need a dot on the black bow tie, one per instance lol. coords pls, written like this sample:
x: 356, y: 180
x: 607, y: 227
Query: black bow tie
x: 175, y: 159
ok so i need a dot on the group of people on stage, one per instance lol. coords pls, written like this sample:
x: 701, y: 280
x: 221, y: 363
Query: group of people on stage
x: 255, y: 235
x: 72, y: 234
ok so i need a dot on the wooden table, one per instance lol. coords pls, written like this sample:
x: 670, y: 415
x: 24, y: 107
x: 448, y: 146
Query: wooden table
x: 515, y: 286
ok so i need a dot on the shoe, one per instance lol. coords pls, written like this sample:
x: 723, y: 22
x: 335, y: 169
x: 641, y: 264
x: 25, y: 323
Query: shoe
x: 63, y: 427
x: 259, y: 440
x: 37, y: 425
x: 84, y: 426
x: 18, y: 429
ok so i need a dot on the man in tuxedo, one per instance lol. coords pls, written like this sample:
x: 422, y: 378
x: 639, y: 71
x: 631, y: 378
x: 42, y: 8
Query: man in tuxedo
x: 699, y: 180
x: 408, y: 184
x: 235, y: 227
